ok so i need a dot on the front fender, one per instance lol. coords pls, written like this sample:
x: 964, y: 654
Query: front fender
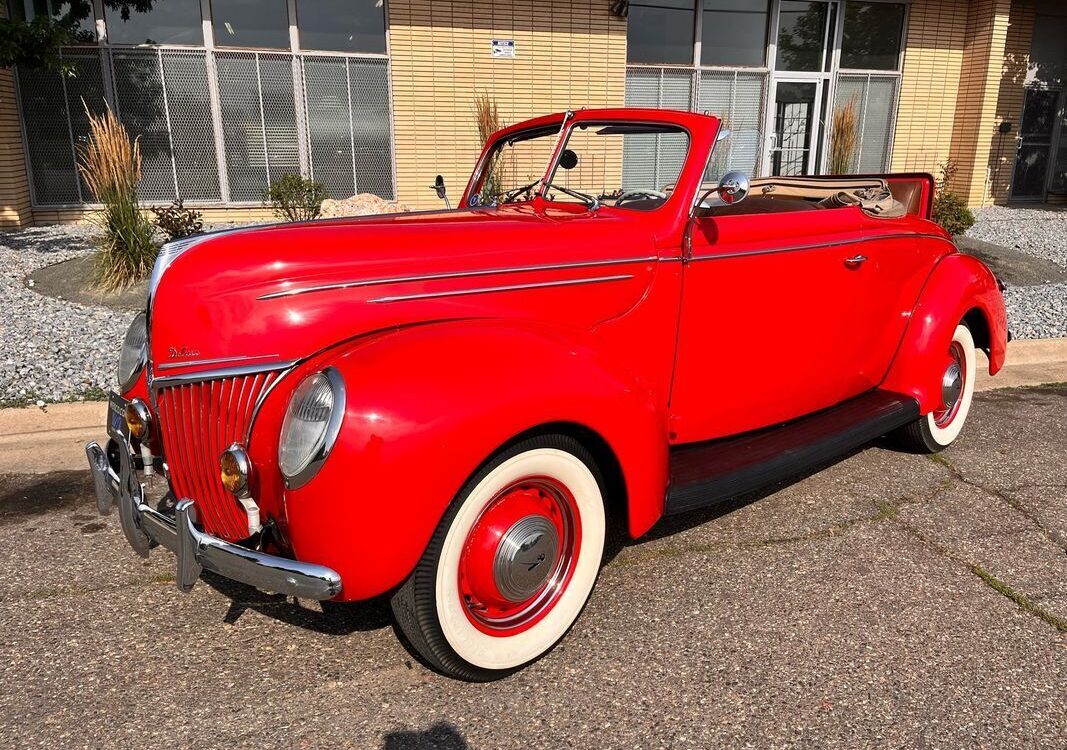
x: 959, y: 286
x: 426, y: 406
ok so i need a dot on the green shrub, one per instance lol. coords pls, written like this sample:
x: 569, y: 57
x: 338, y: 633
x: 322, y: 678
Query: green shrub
x: 950, y: 211
x: 110, y: 163
x: 177, y: 221
x: 296, y: 198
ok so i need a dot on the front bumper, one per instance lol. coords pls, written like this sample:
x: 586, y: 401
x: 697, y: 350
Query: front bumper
x: 146, y: 527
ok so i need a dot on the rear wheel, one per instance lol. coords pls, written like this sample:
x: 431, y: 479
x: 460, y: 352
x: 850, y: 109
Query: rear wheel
x: 938, y: 429
x: 511, y: 564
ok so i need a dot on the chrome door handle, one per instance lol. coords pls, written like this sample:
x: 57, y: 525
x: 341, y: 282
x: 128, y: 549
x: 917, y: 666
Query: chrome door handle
x: 855, y: 261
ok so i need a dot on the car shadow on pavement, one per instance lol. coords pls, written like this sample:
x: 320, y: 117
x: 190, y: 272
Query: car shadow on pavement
x: 330, y: 618
x: 441, y: 736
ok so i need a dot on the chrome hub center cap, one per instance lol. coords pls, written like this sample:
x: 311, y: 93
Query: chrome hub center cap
x: 951, y: 385
x: 525, y: 557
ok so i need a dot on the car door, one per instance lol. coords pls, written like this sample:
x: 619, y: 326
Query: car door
x: 773, y: 323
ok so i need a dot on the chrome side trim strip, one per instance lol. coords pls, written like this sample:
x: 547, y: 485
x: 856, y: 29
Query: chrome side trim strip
x: 225, y: 372
x: 458, y: 275
x: 812, y: 246
x: 505, y: 288
x: 216, y: 361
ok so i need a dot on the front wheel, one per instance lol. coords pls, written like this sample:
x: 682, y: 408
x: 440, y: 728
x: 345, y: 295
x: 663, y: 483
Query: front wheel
x: 512, y: 563
x: 938, y: 429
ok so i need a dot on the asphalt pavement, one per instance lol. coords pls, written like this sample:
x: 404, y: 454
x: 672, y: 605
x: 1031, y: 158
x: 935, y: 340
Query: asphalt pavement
x: 890, y: 600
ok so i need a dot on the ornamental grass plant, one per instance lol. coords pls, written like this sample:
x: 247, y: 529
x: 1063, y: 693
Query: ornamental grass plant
x: 487, y: 115
x: 110, y: 164
x: 845, y: 138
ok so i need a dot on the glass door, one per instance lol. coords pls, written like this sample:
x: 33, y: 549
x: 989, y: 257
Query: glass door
x: 794, y: 139
x: 1036, y: 139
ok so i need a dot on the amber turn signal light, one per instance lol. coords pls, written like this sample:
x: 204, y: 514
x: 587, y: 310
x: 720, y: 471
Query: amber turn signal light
x: 234, y: 468
x: 138, y: 420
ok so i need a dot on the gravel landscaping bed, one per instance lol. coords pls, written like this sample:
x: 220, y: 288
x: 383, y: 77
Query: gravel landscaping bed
x: 52, y: 349
x: 1034, y: 311
x: 58, y: 350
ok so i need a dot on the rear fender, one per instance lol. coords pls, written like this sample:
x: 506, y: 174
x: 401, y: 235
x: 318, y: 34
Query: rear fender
x: 959, y: 286
x: 426, y: 406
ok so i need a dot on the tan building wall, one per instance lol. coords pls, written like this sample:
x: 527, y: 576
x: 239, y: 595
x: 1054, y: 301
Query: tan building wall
x: 964, y: 66
x: 14, y: 183
x: 568, y: 54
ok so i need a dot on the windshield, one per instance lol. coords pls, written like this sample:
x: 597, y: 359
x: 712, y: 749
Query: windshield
x: 627, y: 165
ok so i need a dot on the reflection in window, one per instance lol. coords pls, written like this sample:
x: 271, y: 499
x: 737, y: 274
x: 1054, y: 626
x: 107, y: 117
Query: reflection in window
x: 872, y: 36
x: 801, y: 36
x: 342, y: 25
x: 168, y: 22
x: 78, y: 13
x: 734, y: 32
x: 251, y: 23
x: 661, y: 31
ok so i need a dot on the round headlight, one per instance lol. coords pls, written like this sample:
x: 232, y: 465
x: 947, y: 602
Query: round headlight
x: 311, y: 424
x: 132, y: 358
x: 234, y: 468
x: 139, y: 420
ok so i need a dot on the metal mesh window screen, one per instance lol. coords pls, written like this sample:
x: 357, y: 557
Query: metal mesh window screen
x: 737, y: 99
x: 192, y: 134
x: 335, y: 124
x: 141, y: 107
x: 371, y: 124
x: 330, y: 124
x: 56, y: 123
x: 875, y: 100
x: 648, y: 159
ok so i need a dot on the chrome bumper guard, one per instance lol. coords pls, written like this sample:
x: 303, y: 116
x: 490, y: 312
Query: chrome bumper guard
x: 145, y: 527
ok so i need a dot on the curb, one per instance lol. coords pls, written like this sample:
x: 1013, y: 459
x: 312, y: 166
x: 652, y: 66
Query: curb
x: 39, y: 440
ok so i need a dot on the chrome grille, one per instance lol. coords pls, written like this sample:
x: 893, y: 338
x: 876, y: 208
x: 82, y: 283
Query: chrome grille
x: 198, y: 421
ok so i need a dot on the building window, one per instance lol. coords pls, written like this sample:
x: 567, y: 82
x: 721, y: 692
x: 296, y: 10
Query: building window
x: 872, y: 36
x: 78, y: 12
x: 342, y: 25
x: 251, y: 23
x: 661, y: 32
x: 734, y: 33
x: 802, y: 36
x: 169, y: 22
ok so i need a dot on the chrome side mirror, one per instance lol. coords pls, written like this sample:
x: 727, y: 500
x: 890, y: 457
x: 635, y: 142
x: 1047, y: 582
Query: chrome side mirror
x: 733, y: 187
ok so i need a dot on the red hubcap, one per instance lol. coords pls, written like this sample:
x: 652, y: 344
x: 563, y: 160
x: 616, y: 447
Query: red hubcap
x: 519, y: 556
x: 953, y: 383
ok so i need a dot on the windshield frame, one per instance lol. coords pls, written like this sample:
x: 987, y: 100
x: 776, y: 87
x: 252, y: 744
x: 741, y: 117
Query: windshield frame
x: 658, y: 125
x: 562, y: 124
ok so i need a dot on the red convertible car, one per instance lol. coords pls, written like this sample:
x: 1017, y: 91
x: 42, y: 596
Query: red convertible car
x: 449, y: 408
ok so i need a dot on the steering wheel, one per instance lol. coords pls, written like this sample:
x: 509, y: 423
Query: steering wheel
x: 637, y: 194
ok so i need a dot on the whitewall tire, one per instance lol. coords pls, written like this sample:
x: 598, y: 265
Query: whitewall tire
x: 940, y: 427
x: 512, y: 563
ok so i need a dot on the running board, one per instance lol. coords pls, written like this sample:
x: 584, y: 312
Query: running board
x: 710, y: 472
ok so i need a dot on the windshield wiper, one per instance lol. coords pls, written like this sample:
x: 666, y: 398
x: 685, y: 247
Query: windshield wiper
x: 511, y: 195
x: 592, y: 202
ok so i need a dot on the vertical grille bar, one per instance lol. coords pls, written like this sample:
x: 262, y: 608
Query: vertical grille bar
x: 199, y: 421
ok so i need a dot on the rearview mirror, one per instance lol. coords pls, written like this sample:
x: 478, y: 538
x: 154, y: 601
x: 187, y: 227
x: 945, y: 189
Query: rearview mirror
x: 568, y: 159
x: 733, y: 187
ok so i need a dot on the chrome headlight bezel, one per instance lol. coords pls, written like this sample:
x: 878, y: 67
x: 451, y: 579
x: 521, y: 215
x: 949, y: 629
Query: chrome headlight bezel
x: 313, y: 459
x: 133, y: 359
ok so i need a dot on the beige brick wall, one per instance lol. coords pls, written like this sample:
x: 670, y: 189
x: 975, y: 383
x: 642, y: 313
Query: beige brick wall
x: 975, y: 124
x: 569, y: 54
x: 933, y: 60
x: 14, y: 182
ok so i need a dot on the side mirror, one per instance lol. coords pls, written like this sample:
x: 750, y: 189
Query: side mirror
x: 733, y: 187
x: 568, y: 159
x: 439, y: 187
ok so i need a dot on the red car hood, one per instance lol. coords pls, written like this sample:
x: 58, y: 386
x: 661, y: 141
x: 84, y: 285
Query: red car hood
x: 283, y: 292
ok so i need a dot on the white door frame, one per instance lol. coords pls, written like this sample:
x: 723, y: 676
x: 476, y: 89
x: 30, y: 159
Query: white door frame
x: 811, y: 166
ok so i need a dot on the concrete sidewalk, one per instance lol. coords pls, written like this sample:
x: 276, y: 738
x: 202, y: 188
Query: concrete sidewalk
x: 39, y: 440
